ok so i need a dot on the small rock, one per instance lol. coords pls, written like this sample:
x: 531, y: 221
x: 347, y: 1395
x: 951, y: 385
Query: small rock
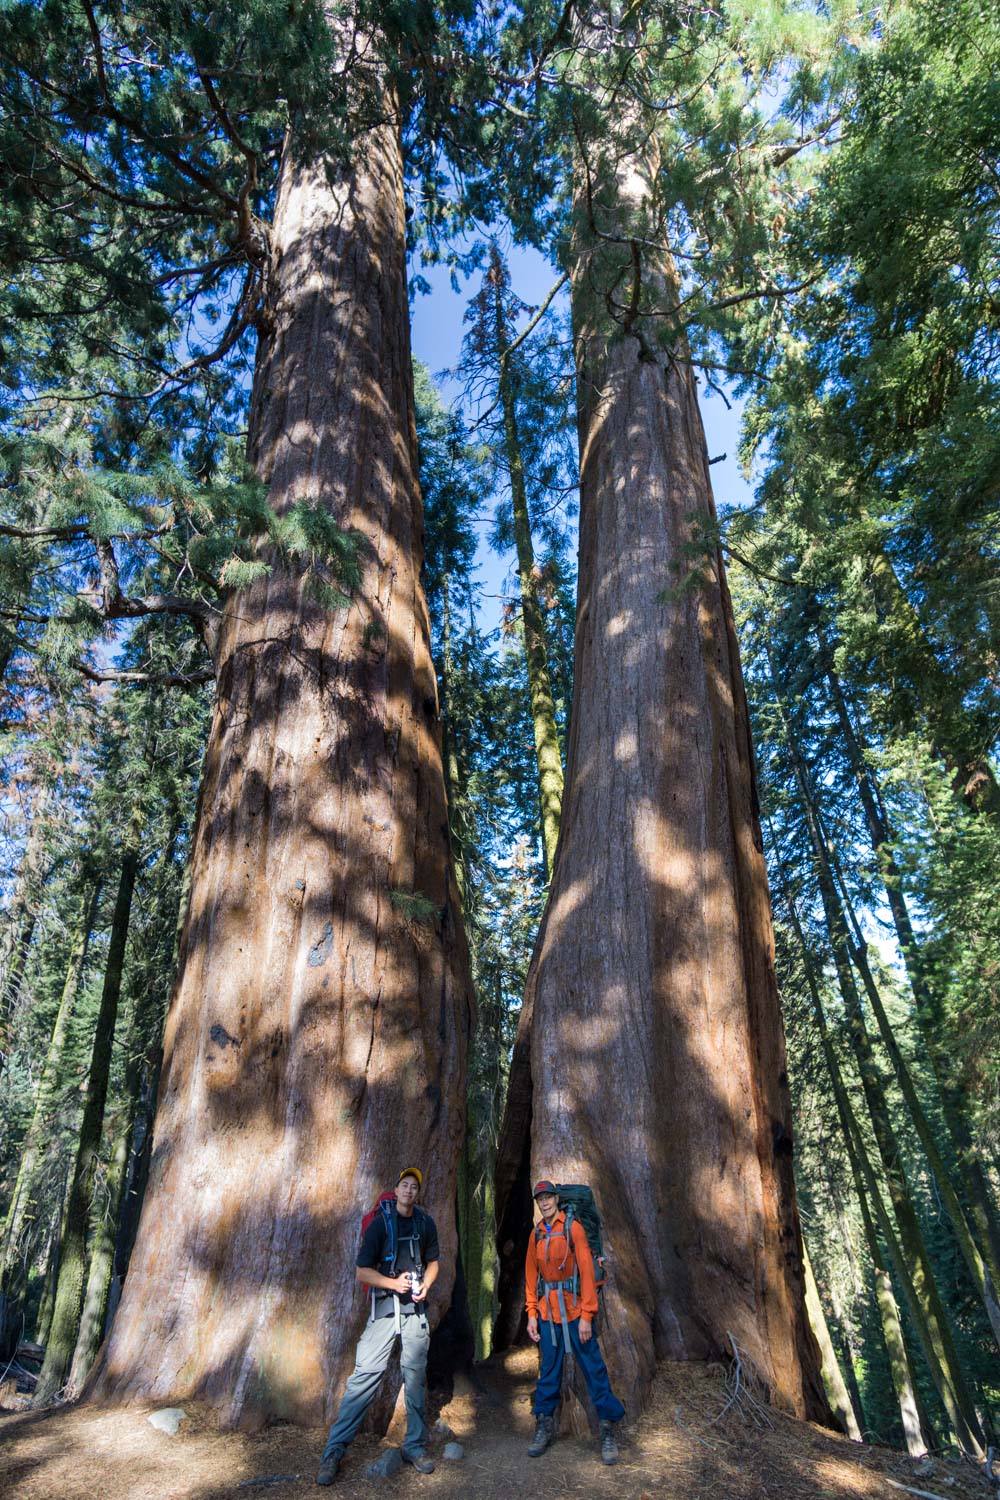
x: 925, y: 1468
x: 386, y: 1465
x: 167, y: 1419
x: 454, y: 1451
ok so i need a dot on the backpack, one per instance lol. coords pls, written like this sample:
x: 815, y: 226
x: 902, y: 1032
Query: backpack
x: 577, y: 1201
x: 385, y: 1204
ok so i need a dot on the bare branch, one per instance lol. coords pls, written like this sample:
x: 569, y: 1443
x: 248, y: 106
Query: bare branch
x: 515, y: 343
x: 759, y: 572
x: 157, y: 679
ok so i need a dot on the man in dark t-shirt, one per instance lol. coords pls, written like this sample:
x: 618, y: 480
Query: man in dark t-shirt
x: 398, y: 1260
x: 416, y: 1247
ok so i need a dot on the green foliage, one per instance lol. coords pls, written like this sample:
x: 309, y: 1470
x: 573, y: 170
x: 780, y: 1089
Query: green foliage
x: 414, y: 906
x: 826, y: 187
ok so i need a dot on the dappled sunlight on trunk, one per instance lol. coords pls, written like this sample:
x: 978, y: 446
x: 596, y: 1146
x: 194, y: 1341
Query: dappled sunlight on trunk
x: 656, y: 1068
x: 317, y: 1036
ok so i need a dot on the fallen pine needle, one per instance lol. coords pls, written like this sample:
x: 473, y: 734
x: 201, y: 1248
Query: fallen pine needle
x: 710, y: 1446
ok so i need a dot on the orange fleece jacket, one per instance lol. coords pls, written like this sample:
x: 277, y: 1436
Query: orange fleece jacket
x: 553, y: 1261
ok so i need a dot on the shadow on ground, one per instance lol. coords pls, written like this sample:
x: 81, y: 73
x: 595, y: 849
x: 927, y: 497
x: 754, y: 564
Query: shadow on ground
x: 688, y: 1446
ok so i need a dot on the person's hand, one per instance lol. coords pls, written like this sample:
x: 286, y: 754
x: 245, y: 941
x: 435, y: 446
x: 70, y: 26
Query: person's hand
x: 419, y: 1291
x: 400, y: 1283
x: 586, y: 1331
x: 533, y: 1333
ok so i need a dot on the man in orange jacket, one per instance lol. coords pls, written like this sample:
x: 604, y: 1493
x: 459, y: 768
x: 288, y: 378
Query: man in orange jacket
x: 561, y: 1296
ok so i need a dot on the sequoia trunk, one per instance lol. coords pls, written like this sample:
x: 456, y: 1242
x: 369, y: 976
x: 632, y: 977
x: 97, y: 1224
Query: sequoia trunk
x: 316, y: 1040
x: 654, y: 966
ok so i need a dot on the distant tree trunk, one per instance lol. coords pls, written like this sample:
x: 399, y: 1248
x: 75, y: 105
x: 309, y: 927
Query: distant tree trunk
x: 918, y: 1433
x: 20, y: 918
x: 941, y: 1174
x: 453, y: 778
x: 73, y: 1241
x: 928, y: 1307
x: 548, y: 756
x: 47, y: 1301
x: 316, y: 1040
x: 654, y: 964
x: 846, y: 1359
x: 865, y: 1188
x: 31, y: 1150
x: 833, y: 1378
x: 145, y: 1016
x: 952, y: 1096
x: 149, y: 1084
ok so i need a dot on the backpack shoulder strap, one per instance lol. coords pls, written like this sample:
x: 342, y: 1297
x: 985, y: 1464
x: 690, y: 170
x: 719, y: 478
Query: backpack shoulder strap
x: 389, y: 1215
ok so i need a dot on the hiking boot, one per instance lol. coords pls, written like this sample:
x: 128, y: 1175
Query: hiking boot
x: 328, y: 1469
x: 545, y: 1432
x: 420, y: 1462
x: 609, y: 1448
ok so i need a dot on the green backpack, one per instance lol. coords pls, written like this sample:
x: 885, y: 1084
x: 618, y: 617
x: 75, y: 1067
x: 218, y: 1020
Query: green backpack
x: 577, y: 1201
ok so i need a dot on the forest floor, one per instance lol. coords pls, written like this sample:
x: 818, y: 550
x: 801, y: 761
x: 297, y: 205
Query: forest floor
x: 694, y: 1443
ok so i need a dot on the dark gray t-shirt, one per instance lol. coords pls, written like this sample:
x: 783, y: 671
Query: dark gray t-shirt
x: 416, y: 1247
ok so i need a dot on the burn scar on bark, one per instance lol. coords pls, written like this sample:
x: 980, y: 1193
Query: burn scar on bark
x: 781, y: 1140
x: 321, y: 950
x: 220, y: 1036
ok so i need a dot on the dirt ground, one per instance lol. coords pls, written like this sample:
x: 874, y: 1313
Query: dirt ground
x: 689, y: 1446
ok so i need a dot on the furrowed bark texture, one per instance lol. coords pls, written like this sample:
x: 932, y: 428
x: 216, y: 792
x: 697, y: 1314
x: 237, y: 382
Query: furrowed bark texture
x: 316, y: 1041
x: 657, y: 1054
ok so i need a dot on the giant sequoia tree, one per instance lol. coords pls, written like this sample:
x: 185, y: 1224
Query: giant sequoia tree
x: 654, y: 962
x: 318, y: 1029
x: 193, y: 196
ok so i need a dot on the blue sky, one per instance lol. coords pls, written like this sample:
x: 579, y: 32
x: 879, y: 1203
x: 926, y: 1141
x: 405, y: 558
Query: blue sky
x: 437, y: 328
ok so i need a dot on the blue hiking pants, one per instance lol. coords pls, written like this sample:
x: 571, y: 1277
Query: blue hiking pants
x: 371, y: 1361
x: 591, y: 1362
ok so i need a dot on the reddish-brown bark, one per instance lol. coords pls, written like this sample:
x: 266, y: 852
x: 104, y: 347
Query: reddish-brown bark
x: 317, y: 1036
x: 657, y: 1062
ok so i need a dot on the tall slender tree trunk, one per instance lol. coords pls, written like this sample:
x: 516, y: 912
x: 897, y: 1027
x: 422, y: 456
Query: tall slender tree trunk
x: 19, y: 1209
x: 316, y: 1041
x: 867, y: 1193
x: 833, y: 1378
x: 450, y: 756
x: 73, y: 1242
x: 138, y: 1173
x: 939, y: 1346
x: 20, y: 918
x: 880, y: 832
x: 145, y: 1019
x: 655, y: 957
x: 47, y: 1301
x: 102, y: 1246
x: 543, y: 712
x: 847, y: 1359
x: 979, y: 1271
